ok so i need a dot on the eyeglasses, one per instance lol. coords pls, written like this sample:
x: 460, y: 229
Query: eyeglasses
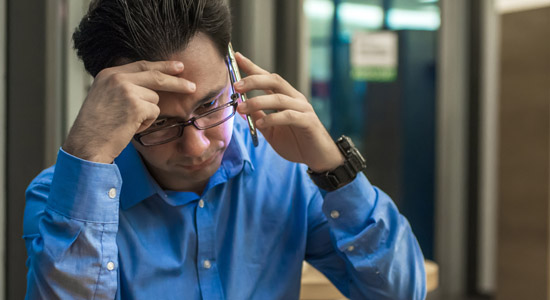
x: 173, y: 129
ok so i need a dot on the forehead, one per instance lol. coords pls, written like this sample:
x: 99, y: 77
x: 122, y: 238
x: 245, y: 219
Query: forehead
x: 204, y: 66
x: 203, y: 63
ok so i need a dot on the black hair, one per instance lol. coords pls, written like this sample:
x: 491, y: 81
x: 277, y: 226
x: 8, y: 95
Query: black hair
x: 120, y: 30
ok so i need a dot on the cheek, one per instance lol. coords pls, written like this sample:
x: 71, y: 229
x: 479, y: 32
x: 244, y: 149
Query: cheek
x: 225, y: 131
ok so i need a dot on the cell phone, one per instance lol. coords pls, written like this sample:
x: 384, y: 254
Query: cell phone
x: 235, y: 76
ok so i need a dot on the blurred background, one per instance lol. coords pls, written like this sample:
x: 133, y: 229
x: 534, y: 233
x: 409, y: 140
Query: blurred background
x: 448, y: 100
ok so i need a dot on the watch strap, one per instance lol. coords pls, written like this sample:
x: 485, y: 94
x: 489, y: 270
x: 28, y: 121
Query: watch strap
x: 343, y: 174
x: 334, y: 179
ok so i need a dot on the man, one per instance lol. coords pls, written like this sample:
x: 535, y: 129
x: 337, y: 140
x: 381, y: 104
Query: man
x: 158, y: 191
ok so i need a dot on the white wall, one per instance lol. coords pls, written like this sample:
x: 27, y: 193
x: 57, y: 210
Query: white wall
x: 66, y: 81
x: 488, y: 141
x: 451, y: 126
x: 77, y: 80
x: 54, y: 80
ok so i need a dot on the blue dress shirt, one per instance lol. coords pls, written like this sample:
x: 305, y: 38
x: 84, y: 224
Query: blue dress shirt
x: 108, y: 231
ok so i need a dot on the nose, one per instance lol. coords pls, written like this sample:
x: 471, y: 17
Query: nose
x: 193, y: 142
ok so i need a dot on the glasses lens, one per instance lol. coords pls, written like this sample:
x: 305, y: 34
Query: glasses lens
x: 215, y: 117
x: 209, y: 119
x: 160, y: 136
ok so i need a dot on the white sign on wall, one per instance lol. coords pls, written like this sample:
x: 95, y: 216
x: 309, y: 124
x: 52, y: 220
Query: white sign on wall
x: 374, y: 56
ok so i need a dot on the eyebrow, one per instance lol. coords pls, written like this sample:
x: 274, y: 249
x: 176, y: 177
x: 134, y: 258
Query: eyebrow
x: 208, y: 97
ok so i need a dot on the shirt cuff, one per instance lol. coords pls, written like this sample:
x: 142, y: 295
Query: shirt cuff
x: 85, y: 190
x: 349, y: 207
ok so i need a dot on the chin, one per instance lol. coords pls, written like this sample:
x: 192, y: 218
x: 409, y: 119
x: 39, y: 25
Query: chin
x: 202, y: 173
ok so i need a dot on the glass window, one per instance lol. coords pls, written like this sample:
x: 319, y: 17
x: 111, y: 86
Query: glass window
x: 390, y: 118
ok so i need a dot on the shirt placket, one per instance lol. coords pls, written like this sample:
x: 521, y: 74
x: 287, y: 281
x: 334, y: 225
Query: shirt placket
x: 209, y: 277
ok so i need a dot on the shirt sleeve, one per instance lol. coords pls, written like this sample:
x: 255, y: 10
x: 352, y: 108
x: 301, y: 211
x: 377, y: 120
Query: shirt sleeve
x: 360, y: 241
x: 70, y: 228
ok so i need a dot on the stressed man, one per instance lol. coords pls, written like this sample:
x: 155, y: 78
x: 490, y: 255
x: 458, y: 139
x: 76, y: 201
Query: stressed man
x: 159, y: 191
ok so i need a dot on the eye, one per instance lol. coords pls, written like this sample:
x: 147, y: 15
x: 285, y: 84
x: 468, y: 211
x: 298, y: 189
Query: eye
x: 204, y: 108
x: 209, y: 104
x: 159, y: 123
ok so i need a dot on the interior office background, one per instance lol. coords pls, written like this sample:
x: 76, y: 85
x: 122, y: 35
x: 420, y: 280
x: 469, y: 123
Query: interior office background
x: 459, y: 138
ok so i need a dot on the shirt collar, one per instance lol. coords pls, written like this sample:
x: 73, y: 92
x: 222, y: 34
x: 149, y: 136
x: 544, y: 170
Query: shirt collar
x: 138, y: 184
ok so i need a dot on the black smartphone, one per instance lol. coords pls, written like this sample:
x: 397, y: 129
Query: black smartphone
x: 235, y: 76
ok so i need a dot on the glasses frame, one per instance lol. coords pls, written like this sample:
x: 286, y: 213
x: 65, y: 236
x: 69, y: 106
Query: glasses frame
x: 235, y: 97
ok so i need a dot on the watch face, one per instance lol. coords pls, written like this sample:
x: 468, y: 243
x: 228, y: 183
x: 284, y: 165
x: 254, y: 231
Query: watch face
x: 356, y: 160
x: 345, y: 144
x: 353, y: 156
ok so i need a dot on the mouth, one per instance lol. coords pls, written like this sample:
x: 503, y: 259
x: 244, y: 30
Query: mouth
x: 201, y: 165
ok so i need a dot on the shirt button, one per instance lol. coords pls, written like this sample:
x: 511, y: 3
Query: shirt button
x: 201, y: 203
x: 110, y: 266
x: 112, y: 193
x: 335, y: 214
x: 206, y: 264
x: 351, y: 248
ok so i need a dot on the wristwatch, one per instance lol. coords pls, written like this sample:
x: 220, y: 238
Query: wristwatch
x: 344, y: 174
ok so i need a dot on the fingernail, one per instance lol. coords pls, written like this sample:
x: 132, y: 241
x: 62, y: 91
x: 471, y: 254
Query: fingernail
x: 239, y: 84
x: 243, y: 105
x: 178, y: 65
x: 192, y: 86
x: 260, y: 122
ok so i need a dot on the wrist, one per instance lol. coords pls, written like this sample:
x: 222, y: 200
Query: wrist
x: 74, y: 177
x: 332, y: 162
x: 343, y: 174
x: 86, y: 152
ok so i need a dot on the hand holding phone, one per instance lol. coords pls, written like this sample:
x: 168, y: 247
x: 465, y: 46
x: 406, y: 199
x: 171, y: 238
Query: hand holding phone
x: 235, y: 76
x: 291, y: 127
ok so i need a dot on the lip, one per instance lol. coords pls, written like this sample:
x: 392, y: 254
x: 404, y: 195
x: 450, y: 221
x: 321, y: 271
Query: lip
x: 202, y: 165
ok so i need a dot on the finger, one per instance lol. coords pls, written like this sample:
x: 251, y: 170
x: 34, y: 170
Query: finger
x: 147, y: 94
x: 255, y: 115
x: 285, y: 117
x: 159, y: 81
x: 248, y: 66
x: 150, y: 113
x: 167, y: 67
x: 272, y: 82
x: 277, y: 102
